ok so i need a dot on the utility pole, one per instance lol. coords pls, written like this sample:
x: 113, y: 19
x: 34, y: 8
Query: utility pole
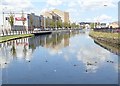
x: 44, y: 23
x: 3, y: 20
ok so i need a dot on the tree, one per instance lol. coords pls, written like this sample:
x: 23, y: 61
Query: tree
x: 11, y: 20
x: 52, y: 24
x: 92, y: 25
x: 23, y: 21
x: 73, y: 25
x: 69, y: 25
x: 77, y: 26
x: 59, y: 24
x: 13, y: 51
x: 66, y: 25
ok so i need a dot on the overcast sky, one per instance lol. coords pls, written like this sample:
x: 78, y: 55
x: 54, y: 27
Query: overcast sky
x: 80, y: 10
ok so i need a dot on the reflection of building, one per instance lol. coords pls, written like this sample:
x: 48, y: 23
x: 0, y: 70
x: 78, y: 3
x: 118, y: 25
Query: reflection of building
x: 53, y: 41
x: 2, y: 63
x: 66, y: 40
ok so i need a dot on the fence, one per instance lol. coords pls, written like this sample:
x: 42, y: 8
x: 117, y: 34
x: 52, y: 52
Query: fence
x: 110, y: 30
x: 11, y: 32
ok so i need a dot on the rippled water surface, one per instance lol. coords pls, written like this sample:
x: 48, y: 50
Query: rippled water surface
x: 58, y: 58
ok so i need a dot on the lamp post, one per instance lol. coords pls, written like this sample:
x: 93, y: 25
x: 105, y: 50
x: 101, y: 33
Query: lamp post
x: 105, y: 5
x: 3, y: 16
x: 44, y: 22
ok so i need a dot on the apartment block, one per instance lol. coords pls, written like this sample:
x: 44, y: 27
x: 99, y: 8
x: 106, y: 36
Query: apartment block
x: 64, y: 15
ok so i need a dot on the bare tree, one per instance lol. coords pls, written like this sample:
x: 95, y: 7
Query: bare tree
x: 11, y: 20
x: 23, y: 20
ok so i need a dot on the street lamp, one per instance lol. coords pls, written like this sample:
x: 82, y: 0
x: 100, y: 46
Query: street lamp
x: 105, y: 5
x: 44, y: 22
x: 3, y: 15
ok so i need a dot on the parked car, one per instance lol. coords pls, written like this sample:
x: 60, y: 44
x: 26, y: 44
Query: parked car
x: 37, y: 29
x: 46, y: 29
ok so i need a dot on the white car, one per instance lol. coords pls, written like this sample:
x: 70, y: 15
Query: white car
x: 37, y: 29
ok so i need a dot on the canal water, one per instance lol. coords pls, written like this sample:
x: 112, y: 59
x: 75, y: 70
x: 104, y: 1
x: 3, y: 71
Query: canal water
x: 58, y: 58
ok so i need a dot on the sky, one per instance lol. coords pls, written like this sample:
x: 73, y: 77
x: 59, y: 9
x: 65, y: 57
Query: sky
x: 79, y: 10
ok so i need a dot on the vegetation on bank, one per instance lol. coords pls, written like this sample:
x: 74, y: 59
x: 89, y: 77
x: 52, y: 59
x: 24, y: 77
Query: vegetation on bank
x: 104, y: 35
x: 113, y: 39
x: 7, y: 38
x: 110, y: 47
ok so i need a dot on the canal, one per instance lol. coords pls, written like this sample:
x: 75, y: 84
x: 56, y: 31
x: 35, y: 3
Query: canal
x: 57, y: 58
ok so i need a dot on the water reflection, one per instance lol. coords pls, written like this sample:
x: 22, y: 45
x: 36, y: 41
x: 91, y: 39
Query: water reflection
x: 24, y: 48
x: 68, y: 57
x: 15, y: 49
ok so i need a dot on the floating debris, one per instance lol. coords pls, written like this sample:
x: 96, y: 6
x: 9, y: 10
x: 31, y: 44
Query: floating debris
x: 89, y: 63
x: 110, y: 61
x: 95, y: 62
x: 75, y: 65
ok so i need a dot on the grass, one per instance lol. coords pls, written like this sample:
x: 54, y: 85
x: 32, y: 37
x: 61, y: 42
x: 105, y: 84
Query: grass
x: 104, y: 35
x: 7, y: 38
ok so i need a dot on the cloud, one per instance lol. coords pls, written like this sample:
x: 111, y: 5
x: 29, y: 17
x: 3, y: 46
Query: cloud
x: 100, y: 18
x: 73, y: 14
x: 103, y: 17
x: 95, y: 4
x: 54, y: 2
x: 72, y: 4
x: 16, y: 5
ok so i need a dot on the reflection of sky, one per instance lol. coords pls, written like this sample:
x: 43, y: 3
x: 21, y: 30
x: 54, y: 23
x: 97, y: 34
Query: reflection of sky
x: 0, y: 76
x: 86, y: 51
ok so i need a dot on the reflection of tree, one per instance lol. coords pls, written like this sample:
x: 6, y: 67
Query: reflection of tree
x: 13, y: 50
x: 25, y: 51
x: 32, y: 46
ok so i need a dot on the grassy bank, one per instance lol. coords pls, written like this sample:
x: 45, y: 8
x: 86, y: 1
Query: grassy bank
x: 104, y: 35
x: 113, y: 38
x: 7, y: 38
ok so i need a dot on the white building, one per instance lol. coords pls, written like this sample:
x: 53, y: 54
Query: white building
x: 22, y: 21
x: 104, y: 25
